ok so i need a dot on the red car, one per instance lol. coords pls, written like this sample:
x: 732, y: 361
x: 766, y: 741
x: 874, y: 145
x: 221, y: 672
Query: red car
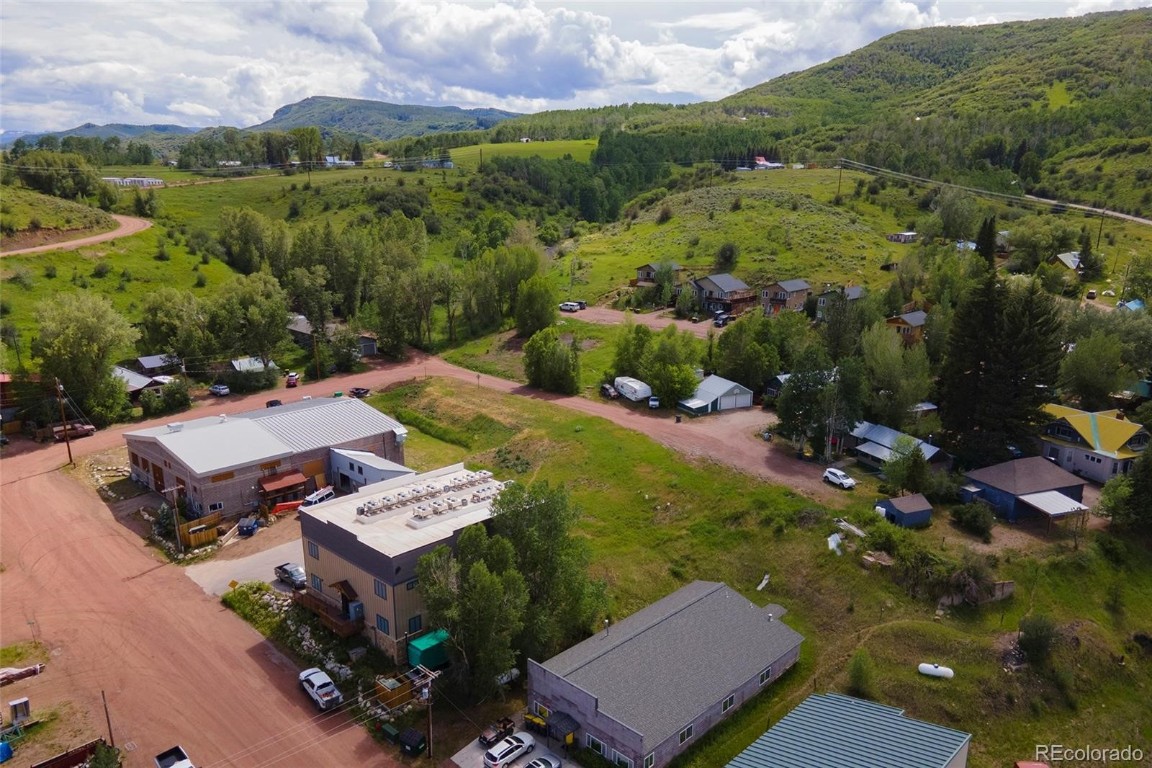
x: 292, y: 380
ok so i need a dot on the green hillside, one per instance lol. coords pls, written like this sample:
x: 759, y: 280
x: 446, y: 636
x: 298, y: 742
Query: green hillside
x: 378, y: 119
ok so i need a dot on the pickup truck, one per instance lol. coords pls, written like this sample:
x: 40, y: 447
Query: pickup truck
x: 499, y: 730
x: 173, y: 758
x: 321, y: 689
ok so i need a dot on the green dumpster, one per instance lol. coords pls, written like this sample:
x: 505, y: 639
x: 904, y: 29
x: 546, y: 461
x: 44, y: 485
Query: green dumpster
x: 428, y: 650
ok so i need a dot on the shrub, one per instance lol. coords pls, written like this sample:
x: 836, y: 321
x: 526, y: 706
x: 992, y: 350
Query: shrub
x: 975, y: 518
x: 50, y: 271
x: 665, y: 214
x: 5, y: 307
x: 862, y: 675
x: 22, y: 277
x: 101, y: 269
x: 1037, y: 636
x: 201, y: 280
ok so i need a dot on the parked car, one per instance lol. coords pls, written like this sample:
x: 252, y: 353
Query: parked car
x: 569, y: 306
x: 219, y: 390
x: 273, y: 403
x: 291, y: 574
x: 292, y: 380
x: 545, y: 761
x: 839, y: 477
x: 1014, y: 451
x: 582, y: 304
x: 609, y: 391
x: 321, y: 689
x: 1092, y: 293
x: 507, y: 751
x: 360, y: 392
x: 721, y: 320
x: 498, y: 731
x: 653, y: 402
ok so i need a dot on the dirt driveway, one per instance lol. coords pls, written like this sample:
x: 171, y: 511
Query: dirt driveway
x: 657, y: 321
x: 125, y: 225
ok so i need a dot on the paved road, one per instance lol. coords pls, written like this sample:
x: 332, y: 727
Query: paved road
x: 125, y: 225
x: 213, y: 576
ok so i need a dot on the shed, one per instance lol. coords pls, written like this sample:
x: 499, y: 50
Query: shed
x: 717, y: 394
x: 912, y: 511
x: 251, y: 364
x: 1003, y: 485
x: 428, y: 650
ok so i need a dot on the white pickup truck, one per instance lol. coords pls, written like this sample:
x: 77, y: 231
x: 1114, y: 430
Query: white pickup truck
x: 175, y: 757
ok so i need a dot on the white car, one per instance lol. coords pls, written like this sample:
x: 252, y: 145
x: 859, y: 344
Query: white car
x: 837, y: 477
x: 505, y: 753
x: 569, y: 306
x: 321, y: 689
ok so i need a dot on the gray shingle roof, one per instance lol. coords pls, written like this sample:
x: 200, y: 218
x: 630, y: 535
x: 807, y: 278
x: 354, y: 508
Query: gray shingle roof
x: 727, y: 282
x: 794, y: 285
x: 915, y: 319
x: 914, y: 502
x: 157, y: 361
x: 1029, y: 475
x: 834, y: 731
x: 658, y: 669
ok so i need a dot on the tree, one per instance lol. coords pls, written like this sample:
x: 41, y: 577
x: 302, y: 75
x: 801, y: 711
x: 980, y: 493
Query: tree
x: 972, y: 578
x: 357, y: 155
x: 1091, y: 265
x: 957, y: 212
x: 550, y: 364
x: 1037, y: 636
x: 986, y: 241
x: 906, y: 467
x: 1127, y: 499
x: 60, y: 174
x: 862, y: 675
x: 726, y: 258
x: 563, y: 602
x: 173, y: 321
x: 898, y: 376
x: 742, y: 358
x: 80, y: 336
x: 309, y: 146
x: 631, y: 343
x: 248, y: 316
x: 686, y: 303
x: 535, y: 305
x: 801, y: 405
x: 669, y: 365
x: 1093, y: 370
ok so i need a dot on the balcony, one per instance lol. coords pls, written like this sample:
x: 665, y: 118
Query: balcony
x: 329, y: 614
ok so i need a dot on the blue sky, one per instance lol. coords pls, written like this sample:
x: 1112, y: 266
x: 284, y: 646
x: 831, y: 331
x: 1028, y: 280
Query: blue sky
x: 201, y: 62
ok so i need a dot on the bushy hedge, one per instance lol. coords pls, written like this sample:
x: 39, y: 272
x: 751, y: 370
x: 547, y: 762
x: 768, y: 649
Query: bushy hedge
x: 975, y: 518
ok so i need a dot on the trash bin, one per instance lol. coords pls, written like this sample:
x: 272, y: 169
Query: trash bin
x: 390, y: 734
x: 677, y: 418
x: 412, y: 742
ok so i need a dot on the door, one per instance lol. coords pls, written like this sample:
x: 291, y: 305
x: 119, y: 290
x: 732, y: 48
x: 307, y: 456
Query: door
x: 157, y: 477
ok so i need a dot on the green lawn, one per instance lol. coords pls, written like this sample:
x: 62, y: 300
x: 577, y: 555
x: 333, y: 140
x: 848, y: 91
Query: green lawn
x: 22, y: 209
x: 654, y: 521
x: 469, y: 157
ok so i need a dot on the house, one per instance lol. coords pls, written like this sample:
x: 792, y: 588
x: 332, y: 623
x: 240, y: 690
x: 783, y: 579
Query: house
x: 155, y: 365
x: 1132, y: 305
x: 135, y: 383
x: 909, y: 325
x: 301, y: 332
x: 784, y: 295
x: 649, y: 687
x: 723, y: 293
x: 360, y: 551
x: 920, y: 410
x: 830, y: 730
x: 717, y: 394
x: 850, y: 293
x: 902, y: 237
x: 252, y: 365
x: 646, y: 275
x: 763, y: 164
x: 1070, y: 260
x: 1003, y: 241
x: 1097, y: 446
x: 965, y: 245
x: 232, y: 464
x: 776, y: 385
x: 874, y: 444
x: 1025, y: 487
x: 334, y: 161
x: 356, y: 469
x: 913, y: 511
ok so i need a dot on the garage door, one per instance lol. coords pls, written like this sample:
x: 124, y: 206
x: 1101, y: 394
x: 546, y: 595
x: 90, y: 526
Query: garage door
x: 735, y: 401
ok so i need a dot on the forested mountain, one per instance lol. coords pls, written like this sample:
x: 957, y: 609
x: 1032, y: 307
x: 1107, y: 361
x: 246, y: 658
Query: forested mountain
x: 377, y: 119
x: 122, y: 131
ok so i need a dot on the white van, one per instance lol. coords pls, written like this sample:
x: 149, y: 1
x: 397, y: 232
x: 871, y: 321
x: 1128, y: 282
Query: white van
x: 319, y: 497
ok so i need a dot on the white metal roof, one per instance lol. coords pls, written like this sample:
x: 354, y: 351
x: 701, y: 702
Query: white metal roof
x: 309, y: 424
x: 406, y: 513
x: 1053, y: 503
x: 229, y: 444
x: 372, y: 460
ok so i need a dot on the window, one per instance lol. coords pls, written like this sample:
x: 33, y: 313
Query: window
x: 381, y: 623
x: 317, y: 583
x: 415, y: 624
x: 380, y: 588
x: 135, y: 459
x: 621, y: 760
x: 650, y: 760
x: 313, y: 550
x: 595, y: 744
x: 351, y: 465
x: 685, y: 734
x: 766, y: 675
x: 216, y: 506
x: 728, y: 702
x: 411, y: 584
x: 360, y: 469
x: 543, y: 711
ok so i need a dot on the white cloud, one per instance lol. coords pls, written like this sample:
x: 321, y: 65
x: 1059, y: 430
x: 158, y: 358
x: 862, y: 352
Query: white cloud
x: 74, y: 61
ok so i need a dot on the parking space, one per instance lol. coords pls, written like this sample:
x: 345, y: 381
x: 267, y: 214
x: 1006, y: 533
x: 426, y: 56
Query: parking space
x: 472, y: 756
x: 214, y: 576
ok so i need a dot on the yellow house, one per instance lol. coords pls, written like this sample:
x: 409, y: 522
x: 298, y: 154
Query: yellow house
x: 1096, y: 446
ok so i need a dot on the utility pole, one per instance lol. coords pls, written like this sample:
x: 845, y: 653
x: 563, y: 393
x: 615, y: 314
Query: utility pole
x: 316, y: 354
x: 175, y: 518
x: 1100, y: 233
x: 108, y: 719
x: 429, y: 689
x: 840, y: 178
x: 63, y: 420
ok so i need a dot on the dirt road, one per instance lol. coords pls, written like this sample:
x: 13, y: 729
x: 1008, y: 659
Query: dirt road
x: 657, y: 321
x: 125, y: 225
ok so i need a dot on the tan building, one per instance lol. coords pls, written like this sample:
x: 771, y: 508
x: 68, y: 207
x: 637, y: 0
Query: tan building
x: 232, y: 464
x: 360, y: 551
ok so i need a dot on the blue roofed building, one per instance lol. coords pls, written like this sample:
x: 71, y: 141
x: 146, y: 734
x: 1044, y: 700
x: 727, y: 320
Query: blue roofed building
x: 830, y: 730
x: 874, y: 444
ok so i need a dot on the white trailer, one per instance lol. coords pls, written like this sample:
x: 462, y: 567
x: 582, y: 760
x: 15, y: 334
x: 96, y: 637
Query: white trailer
x: 633, y: 389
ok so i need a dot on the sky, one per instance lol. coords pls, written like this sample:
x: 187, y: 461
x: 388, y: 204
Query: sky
x: 203, y: 62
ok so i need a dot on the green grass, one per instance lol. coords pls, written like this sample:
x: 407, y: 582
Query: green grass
x: 1058, y: 95
x: 23, y: 654
x: 20, y: 207
x: 654, y: 521
x: 469, y: 157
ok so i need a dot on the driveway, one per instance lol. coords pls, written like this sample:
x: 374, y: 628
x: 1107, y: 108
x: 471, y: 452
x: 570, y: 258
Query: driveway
x: 125, y: 226
x: 657, y: 321
x: 214, y: 576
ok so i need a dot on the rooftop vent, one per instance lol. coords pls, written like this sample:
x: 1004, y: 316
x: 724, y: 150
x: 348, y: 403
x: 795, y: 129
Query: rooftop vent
x: 176, y: 426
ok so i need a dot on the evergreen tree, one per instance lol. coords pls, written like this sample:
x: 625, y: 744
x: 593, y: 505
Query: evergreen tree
x: 986, y: 241
x: 357, y: 155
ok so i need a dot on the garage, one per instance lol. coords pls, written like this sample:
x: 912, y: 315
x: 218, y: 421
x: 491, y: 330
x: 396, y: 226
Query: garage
x: 716, y: 394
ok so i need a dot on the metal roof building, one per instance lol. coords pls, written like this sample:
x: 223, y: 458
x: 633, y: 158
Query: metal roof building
x: 834, y: 731
x: 216, y: 462
x: 646, y: 688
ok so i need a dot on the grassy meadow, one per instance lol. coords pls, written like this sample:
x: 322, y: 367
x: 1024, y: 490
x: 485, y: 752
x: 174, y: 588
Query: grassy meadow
x: 654, y: 521
x: 22, y: 209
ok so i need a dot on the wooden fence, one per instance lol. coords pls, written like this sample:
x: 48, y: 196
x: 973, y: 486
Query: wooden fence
x: 72, y: 758
x: 200, y: 532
